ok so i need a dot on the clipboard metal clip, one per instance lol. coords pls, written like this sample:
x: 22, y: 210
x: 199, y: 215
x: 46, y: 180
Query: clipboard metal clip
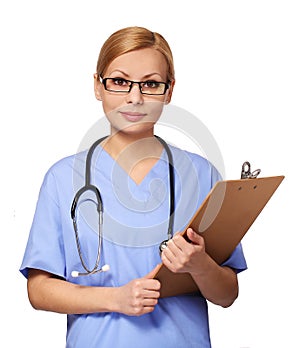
x: 246, y: 171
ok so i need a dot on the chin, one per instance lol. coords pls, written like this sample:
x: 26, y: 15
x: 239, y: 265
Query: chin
x: 136, y: 128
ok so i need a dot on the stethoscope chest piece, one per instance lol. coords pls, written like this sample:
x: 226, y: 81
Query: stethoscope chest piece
x: 163, y: 245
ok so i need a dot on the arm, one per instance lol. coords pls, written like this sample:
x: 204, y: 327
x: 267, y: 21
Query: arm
x: 50, y: 293
x: 217, y: 284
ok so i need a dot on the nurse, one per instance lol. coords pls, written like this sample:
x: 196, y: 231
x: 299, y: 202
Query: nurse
x: 122, y: 307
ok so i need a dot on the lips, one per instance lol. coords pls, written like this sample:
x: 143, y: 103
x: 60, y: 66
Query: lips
x: 132, y: 116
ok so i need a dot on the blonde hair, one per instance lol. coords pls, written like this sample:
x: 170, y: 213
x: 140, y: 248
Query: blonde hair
x: 131, y: 39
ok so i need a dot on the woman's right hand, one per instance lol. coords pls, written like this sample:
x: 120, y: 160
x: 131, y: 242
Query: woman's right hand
x: 139, y: 296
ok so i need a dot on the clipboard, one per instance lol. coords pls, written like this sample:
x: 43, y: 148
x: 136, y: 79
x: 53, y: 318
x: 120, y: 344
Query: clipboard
x: 223, y: 219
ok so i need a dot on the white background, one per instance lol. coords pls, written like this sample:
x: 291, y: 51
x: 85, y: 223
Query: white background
x: 237, y: 69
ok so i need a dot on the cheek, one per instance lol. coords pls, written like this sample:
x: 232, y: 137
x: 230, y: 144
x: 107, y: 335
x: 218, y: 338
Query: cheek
x: 154, y: 109
x: 111, y: 103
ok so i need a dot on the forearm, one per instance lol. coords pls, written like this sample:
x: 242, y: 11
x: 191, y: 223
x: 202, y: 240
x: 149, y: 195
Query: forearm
x: 51, y: 294
x: 217, y: 284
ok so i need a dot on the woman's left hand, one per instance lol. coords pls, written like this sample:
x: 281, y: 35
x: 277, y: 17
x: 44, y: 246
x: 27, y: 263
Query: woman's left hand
x: 185, y: 256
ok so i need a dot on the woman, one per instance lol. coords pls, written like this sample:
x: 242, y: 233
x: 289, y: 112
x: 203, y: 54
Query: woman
x: 121, y: 307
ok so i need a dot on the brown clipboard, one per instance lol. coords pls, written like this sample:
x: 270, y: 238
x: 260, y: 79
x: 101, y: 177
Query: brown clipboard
x: 223, y: 219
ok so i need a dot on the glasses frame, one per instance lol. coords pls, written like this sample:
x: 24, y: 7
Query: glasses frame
x: 104, y: 80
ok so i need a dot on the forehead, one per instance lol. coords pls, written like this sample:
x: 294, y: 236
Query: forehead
x: 139, y: 63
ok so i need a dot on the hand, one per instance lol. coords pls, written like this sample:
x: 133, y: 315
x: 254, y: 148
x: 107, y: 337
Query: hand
x: 140, y: 296
x: 183, y: 256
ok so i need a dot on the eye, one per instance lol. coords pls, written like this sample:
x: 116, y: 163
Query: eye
x: 151, y: 84
x: 120, y: 82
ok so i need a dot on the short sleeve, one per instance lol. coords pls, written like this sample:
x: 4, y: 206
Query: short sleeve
x: 44, y: 248
x: 236, y: 260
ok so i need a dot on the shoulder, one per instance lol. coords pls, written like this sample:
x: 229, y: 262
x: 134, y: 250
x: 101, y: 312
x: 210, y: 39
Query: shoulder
x: 201, y: 164
x: 194, y: 157
x: 63, y: 173
x: 67, y: 164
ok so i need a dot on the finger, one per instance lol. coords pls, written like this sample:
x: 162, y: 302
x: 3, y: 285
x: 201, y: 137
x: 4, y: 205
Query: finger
x: 149, y: 304
x: 170, y: 255
x: 175, y: 247
x: 145, y: 284
x: 148, y: 309
x: 151, y: 294
x: 171, y: 251
x: 169, y: 262
x: 152, y: 285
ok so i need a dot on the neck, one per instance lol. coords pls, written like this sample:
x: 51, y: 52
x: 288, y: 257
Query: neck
x: 132, y: 144
x: 135, y: 153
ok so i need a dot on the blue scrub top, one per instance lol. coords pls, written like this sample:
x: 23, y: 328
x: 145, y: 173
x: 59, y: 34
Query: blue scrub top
x: 134, y: 224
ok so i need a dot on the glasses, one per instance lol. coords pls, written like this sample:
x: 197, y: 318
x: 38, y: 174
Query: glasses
x: 120, y: 85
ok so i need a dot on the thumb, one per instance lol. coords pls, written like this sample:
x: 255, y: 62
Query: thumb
x: 194, y: 237
x: 153, y: 273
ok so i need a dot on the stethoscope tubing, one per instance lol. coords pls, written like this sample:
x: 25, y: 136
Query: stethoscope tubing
x: 89, y: 187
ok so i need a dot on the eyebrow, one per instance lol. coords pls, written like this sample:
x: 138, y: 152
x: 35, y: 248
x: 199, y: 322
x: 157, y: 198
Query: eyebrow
x: 145, y: 76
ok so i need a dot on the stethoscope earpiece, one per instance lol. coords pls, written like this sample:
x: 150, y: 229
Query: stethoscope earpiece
x: 104, y: 268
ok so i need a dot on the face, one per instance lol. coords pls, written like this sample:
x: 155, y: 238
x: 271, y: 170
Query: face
x: 134, y: 111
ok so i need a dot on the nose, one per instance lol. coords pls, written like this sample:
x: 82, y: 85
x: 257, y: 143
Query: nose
x: 135, y: 96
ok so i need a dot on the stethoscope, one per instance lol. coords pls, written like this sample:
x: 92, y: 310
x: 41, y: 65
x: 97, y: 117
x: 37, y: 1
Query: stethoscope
x: 99, y: 204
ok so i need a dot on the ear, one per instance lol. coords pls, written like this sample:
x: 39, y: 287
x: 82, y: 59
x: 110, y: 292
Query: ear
x: 97, y: 87
x: 169, y: 92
